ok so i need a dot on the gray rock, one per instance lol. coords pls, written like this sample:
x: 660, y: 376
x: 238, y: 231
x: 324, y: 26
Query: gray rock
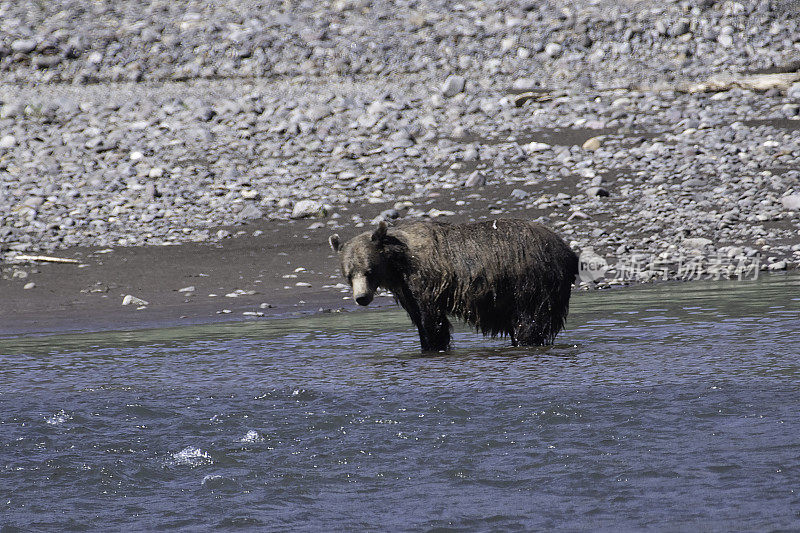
x: 250, y: 212
x: 592, y: 144
x: 307, y: 208
x: 696, y: 242
x: 524, y: 84
x: 470, y: 153
x: 389, y: 214
x: 597, y: 191
x: 519, y: 194
x: 553, y: 49
x: 129, y: 299
x: 206, y: 113
x: 579, y: 215
x: 476, y: 179
x: 45, y: 62
x: 458, y: 132
x: 7, y: 141
x: 534, y: 146
x: 679, y: 28
x: 12, y: 110
x: 791, y: 202
x: 794, y: 91
x: 23, y: 46
x: 34, y: 202
x: 453, y: 85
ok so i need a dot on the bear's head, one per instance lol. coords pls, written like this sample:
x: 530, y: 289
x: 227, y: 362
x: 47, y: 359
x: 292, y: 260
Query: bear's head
x: 364, y: 262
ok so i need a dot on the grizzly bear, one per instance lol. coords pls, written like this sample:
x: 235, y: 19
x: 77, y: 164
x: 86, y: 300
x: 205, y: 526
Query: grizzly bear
x: 504, y: 277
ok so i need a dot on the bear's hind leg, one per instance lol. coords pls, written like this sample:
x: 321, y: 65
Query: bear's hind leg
x: 527, y: 332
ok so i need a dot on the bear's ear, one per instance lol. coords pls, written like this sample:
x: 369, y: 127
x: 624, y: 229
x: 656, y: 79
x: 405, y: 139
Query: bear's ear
x: 335, y: 243
x: 379, y: 235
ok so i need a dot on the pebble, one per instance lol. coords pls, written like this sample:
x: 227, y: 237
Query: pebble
x: 725, y: 40
x: 250, y: 212
x: 553, y: 49
x: 597, y: 191
x: 696, y: 242
x: 23, y: 46
x: 534, y: 146
x: 29, y: 285
x: 794, y: 92
x: 307, y: 208
x: 525, y: 84
x: 133, y: 300
x: 476, y: 179
x: 453, y: 85
x: 791, y: 202
x: 592, y: 144
x: 7, y: 141
x: 579, y: 215
x: 389, y: 214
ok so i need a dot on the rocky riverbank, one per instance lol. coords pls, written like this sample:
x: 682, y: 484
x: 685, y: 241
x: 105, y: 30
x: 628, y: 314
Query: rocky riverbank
x: 200, y: 123
x: 585, y: 44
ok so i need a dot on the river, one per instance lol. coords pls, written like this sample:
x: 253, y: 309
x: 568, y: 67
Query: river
x: 671, y: 406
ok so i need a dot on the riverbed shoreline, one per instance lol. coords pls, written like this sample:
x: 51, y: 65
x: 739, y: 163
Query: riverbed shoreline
x: 263, y: 271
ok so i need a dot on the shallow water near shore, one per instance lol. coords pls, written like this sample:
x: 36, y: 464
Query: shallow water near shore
x: 670, y: 406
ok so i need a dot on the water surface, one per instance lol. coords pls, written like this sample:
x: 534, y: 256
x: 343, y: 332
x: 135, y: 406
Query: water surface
x: 667, y: 407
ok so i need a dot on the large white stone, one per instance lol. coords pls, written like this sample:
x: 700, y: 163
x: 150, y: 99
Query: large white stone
x: 791, y: 202
x: 7, y: 141
x: 307, y: 208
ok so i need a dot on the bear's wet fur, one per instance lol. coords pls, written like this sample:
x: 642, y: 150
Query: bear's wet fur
x: 504, y: 276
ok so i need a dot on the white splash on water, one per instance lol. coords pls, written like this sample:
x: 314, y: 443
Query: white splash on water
x: 192, y: 456
x: 58, y: 418
x: 252, y: 436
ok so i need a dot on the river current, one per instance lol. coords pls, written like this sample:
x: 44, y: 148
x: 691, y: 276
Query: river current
x: 671, y: 406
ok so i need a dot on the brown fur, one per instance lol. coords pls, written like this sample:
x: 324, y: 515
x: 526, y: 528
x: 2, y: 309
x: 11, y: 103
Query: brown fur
x: 505, y: 276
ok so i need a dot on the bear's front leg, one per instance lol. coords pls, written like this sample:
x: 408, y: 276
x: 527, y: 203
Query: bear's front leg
x: 433, y: 326
x: 434, y: 333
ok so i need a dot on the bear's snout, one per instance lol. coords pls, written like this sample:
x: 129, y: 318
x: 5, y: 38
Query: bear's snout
x: 362, y: 293
x: 364, y: 299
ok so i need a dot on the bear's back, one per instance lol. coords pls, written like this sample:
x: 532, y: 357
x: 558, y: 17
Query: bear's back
x: 499, y: 244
